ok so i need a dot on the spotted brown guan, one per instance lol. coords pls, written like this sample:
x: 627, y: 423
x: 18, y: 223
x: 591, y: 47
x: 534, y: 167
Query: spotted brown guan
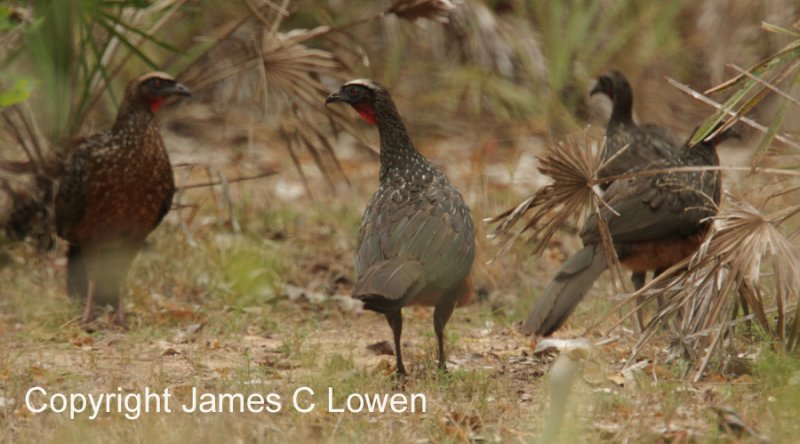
x: 116, y: 187
x: 661, y: 219
x: 416, y: 243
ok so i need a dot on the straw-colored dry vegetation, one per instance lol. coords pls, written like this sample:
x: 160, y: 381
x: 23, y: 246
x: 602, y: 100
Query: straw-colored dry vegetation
x: 245, y: 286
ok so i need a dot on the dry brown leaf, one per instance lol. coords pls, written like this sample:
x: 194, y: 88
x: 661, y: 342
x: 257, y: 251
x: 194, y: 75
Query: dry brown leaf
x: 381, y: 348
x: 170, y: 352
x: 618, y: 379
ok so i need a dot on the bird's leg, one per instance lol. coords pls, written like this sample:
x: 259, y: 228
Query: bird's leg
x: 116, y: 283
x: 441, y: 314
x: 119, y: 315
x: 88, y: 311
x: 659, y: 298
x: 638, y: 277
x: 395, y: 319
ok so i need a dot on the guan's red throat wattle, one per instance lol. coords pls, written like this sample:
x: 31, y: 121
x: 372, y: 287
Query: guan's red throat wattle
x: 155, y: 104
x: 367, y: 112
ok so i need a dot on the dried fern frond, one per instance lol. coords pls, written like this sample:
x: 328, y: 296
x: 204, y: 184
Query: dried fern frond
x: 744, y: 249
x: 437, y: 10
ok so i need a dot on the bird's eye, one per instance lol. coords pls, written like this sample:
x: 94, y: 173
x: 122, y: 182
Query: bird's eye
x: 353, y: 92
x: 157, y: 83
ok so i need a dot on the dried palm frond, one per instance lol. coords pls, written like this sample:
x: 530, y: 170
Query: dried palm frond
x: 256, y: 72
x: 437, y: 10
x: 744, y: 249
x: 573, y: 165
x: 262, y: 72
x: 497, y: 66
x: 411, y: 10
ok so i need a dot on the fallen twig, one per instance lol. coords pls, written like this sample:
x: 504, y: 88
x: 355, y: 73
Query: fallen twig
x: 223, y: 182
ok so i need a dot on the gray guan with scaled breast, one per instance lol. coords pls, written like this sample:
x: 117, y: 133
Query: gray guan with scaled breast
x: 661, y: 220
x: 416, y: 243
x: 645, y: 143
x: 115, y: 188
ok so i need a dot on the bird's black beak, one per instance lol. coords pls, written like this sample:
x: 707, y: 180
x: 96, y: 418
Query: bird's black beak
x: 334, y: 98
x: 178, y: 89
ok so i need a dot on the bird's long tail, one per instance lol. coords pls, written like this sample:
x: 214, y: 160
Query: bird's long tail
x: 384, y: 286
x: 566, y: 291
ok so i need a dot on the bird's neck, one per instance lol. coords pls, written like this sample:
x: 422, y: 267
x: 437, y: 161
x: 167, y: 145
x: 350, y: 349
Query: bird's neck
x: 621, y: 110
x: 397, y: 150
x: 133, y: 119
x: 706, y: 152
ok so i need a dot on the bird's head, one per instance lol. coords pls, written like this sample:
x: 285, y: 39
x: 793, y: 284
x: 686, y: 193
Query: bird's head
x: 362, y: 95
x: 611, y: 84
x: 729, y: 133
x: 153, y: 89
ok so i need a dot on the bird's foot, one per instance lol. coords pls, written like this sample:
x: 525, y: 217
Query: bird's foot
x: 120, y: 319
x: 399, y: 381
x: 87, y: 319
x: 401, y: 372
x: 89, y: 325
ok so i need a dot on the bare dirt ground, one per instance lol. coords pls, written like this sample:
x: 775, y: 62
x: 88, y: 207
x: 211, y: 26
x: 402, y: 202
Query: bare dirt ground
x: 251, y: 296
